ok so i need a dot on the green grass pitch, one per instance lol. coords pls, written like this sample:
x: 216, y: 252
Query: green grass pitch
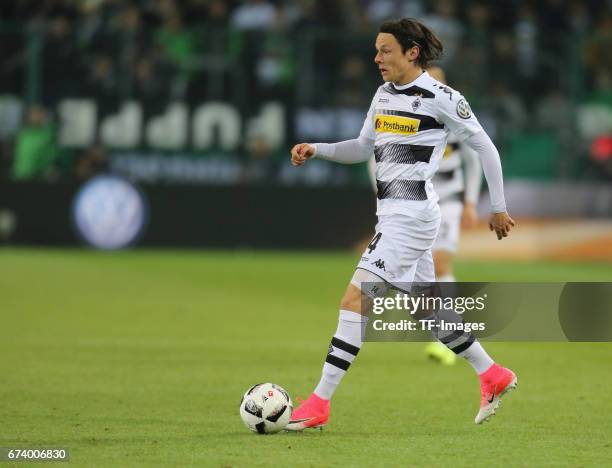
x: 140, y: 358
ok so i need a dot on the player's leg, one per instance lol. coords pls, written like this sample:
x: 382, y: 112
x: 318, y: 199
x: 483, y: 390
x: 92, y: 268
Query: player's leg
x: 495, y: 380
x: 447, y: 241
x: 343, y: 349
x: 377, y: 267
x: 443, y: 263
x: 460, y: 343
x: 444, y: 250
x: 348, y: 338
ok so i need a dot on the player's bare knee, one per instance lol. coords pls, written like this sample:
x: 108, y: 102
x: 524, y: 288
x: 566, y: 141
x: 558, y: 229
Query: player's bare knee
x: 362, y: 290
x: 351, y: 299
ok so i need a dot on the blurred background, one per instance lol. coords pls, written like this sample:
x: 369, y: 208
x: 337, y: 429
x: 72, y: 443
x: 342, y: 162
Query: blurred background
x: 166, y: 125
x: 194, y: 104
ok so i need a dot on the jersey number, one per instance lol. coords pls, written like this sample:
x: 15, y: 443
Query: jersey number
x: 374, y: 242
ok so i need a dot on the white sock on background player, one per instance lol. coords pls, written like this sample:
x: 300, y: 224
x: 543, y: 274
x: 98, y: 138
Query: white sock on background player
x: 343, y: 349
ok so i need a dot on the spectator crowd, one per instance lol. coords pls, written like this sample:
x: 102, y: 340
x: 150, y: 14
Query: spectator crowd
x: 525, y: 63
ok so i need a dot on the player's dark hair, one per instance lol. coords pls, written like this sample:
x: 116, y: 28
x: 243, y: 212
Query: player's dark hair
x: 409, y: 33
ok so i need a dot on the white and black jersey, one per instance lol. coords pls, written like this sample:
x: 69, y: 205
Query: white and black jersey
x: 407, y: 128
x: 411, y: 125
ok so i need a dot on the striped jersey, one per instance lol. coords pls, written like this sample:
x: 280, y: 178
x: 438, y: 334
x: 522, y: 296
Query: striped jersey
x: 410, y: 125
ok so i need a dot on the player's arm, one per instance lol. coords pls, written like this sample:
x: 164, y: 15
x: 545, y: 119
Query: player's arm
x: 472, y: 174
x: 345, y: 152
x: 455, y: 112
x: 500, y: 221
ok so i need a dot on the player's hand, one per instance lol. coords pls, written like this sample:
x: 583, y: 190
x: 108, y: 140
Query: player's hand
x: 301, y: 152
x: 469, y: 216
x: 501, y: 223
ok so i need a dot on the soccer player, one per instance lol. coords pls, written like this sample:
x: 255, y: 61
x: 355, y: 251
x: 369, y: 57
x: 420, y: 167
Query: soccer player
x: 458, y: 192
x: 406, y: 127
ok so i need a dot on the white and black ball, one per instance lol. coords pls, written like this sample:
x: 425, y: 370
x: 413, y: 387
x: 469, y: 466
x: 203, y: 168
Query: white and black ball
x: 266, y: 408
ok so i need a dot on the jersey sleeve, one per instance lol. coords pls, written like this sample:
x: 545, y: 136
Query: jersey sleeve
x: 455, y: 112
x: 472, y: 173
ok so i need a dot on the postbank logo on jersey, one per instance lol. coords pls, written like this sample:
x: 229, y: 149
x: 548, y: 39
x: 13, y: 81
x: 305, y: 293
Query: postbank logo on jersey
x: 396, y: 124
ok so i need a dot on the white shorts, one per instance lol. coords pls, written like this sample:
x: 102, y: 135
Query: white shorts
x: 450, y: 226
x: 400, y: 251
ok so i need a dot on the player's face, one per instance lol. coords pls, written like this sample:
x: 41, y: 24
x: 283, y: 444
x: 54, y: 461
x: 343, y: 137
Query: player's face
x: 394, y: 65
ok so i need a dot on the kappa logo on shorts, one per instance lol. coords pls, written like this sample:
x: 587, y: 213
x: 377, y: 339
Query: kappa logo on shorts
x: 379, y: 264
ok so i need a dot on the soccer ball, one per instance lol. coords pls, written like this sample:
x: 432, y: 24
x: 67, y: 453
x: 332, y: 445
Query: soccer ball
x: 266, y: 408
